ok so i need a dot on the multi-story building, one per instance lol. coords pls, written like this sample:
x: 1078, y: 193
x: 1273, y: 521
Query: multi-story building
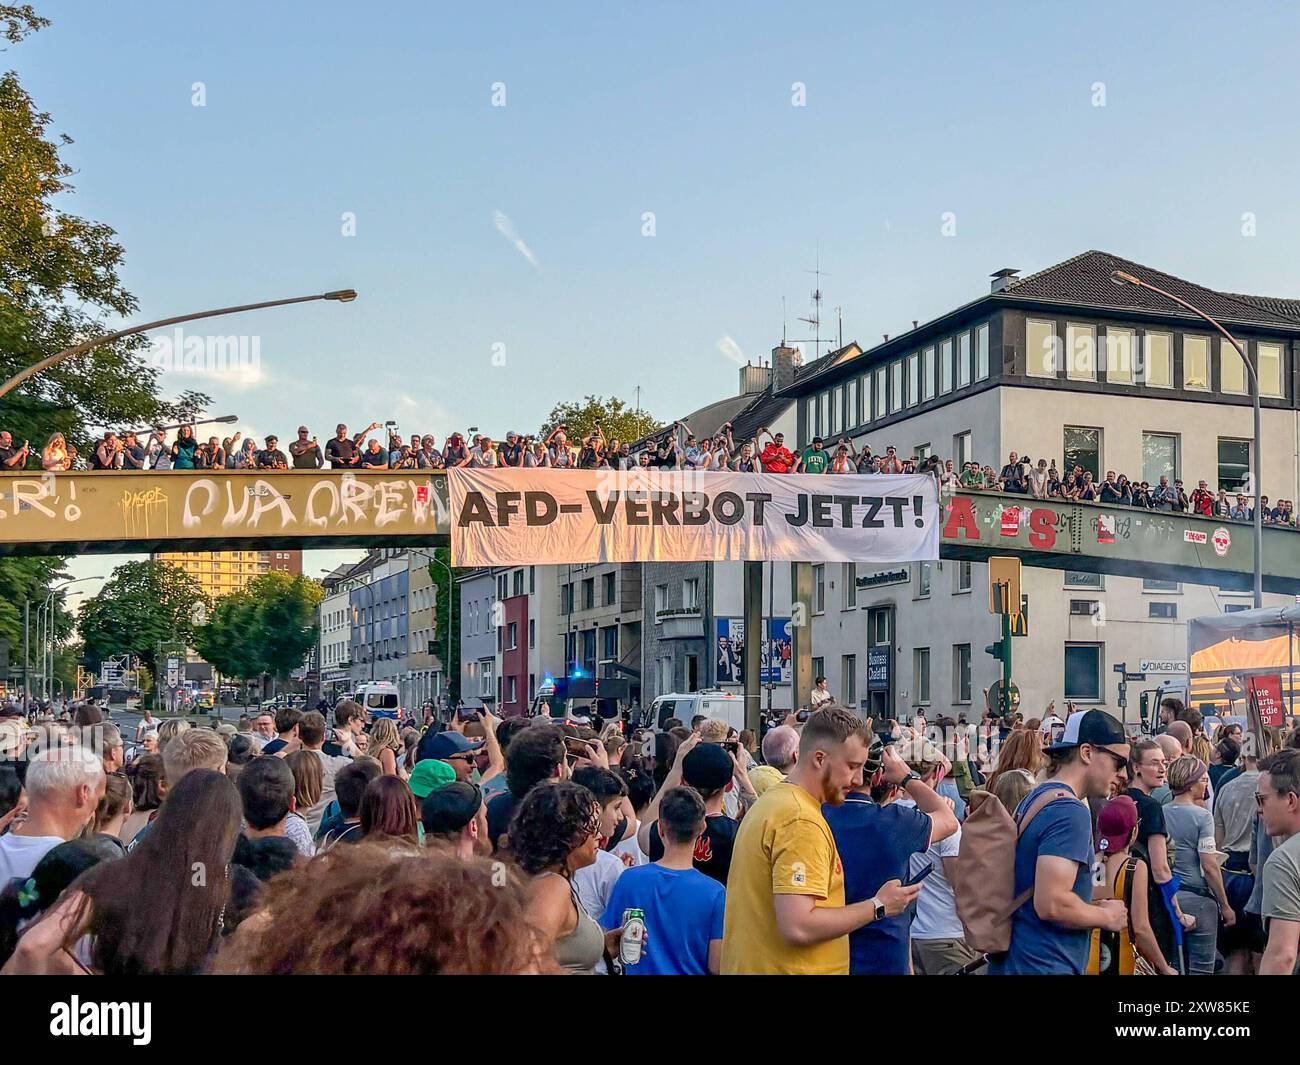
x: 478, y: 637
x: 379, y: 635
x: 423, y: 659
x: 222, y: 573
x: 1063, y: 365
x: 528, y: 641
x: 694, y: 611
x: 599, y: 612
x: 334, y: 619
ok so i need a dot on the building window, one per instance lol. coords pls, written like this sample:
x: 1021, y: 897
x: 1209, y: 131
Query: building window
x: 923, y: 580
x: 810, y: 417
x: 1040, y: 348
x: 1084, y: 608
x: 1075, y: 579
x: 963, y: 360
x: 1234, y: 464
x: 852, y: 416
x: 913, y: 380
x: 1080, y: 352
x: 1083, y: 672
x: 1196, y: 363
x: 589, y: 652
x: 532, y: 632
x: 1159, y: 457
x: 588, y: 593
x: 818, y: 668
x: 961, y: 449
x: 849, y: 680
x: 691, y: 593
x: 1158, y: 360
x: 1150, y: 584
x: 927, y: 372
x: 921, y: 675
x: 609, y: 589
x: 1232, y: 371
x: 961, y: 673
x: 819, y: 589
x: 532, y: 686
x: 512, y: 636
x: 895, y: 386
x: 532, y: 580
x: 1268, y: 364
x: 823, y: 413
x: 981, y: 351
x: 513, y: 683
x: 1119, y: 355
x: 880, y: 408
x: 849, y: 581
x: 566, y: 600
x: 945, y: 367
x: 518, y: 582
x: 609, y: 642
x: 878, y: 627
x: 963, y: 577
x: 837, y: 411
x: 1082, y: 448
x: 661, y: 598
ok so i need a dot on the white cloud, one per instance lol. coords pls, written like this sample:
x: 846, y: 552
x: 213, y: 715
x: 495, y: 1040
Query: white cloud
x: 507, y: 229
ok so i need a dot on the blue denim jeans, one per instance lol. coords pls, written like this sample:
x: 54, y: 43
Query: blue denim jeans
x: 1199, y: 942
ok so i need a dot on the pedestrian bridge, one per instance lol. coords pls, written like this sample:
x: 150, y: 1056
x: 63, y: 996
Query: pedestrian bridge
x: 145, y: 511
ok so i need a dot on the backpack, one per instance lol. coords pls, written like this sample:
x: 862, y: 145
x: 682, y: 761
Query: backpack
x: 984, y: 877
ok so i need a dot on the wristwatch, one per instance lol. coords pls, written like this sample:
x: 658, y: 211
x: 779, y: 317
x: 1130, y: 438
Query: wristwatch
x: 908, y: 779
x: 879, y: 907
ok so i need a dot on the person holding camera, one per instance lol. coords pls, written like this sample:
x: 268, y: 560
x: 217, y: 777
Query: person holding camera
x: 1012, y: 478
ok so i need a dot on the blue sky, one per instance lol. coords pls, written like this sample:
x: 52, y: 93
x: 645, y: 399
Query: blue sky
x: 613, y: 110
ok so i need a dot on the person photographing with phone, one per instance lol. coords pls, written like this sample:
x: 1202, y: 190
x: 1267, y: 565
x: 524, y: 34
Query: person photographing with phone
x: 894, y: 815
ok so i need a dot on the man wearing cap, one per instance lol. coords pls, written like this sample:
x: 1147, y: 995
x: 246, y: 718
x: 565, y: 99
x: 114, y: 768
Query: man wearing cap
x: 708, y: 768
x: 455, y: 816
x: 812, y: 459
x: 1050, y: 931
x: 511, y: 453
x: 456, y: 750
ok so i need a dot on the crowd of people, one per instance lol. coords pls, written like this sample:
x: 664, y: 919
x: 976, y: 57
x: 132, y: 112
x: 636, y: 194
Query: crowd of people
x: 679, y: 448
x: 1042, y: 480
x: 290, y: 844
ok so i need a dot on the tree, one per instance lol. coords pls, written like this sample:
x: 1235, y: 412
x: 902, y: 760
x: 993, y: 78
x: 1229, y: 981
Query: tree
x: 442, y: 603
x: 268, y: 628
x: 142, y: 604
x: 615, y: 419
x: 58, y: 280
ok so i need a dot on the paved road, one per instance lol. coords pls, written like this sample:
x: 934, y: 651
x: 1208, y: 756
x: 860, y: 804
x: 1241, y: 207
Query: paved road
x: 127, y: 720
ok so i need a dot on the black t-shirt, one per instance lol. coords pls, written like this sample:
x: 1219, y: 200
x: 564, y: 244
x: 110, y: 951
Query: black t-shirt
x: 272, y: 458
x: 341, y: 453
x: 511, y: 454
x: 276, y: 744
x: 1151, y: 816
x: 500, y: 809
x: 712, y: 850
x: 6, y: 457
x: 587, y: 459
x: 306, y: 459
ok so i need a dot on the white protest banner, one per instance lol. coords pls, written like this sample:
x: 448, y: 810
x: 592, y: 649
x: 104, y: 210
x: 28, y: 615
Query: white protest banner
x: 519, y: 516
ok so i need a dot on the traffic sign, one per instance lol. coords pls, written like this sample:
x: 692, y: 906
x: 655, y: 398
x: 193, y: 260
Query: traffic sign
x: 1004, y: 583
x: 1120, y: 667
x: 993, y: 698
x: 1134, y: 676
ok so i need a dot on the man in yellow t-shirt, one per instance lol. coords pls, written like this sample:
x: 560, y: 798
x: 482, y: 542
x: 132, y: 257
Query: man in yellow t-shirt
x: 785, y: 892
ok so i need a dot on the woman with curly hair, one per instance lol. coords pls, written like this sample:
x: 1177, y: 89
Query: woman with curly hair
x: 389, y: 812
x: 555, y: 832
x: 374, y: 910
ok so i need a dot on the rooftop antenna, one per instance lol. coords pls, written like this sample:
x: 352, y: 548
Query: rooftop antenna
x: 815, y: 319
x: 782, y: 321
x: 839, y: 314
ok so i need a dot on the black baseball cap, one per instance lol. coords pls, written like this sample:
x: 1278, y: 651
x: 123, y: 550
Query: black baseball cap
x: 707, y: 768
x: 1092, y: 726
x: 451, y: 807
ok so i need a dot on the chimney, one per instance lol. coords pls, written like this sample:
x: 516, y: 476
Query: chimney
x: 753, y: 379
x: 784, y: 361
x: 915, y: 323
x: 1003, y: 279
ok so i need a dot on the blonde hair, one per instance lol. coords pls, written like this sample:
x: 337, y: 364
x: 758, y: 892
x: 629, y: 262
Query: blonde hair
x: 1011, y: 787
x: 714, y: 730
x: 384, y: 736
x: 1182, y: 771
x: 171, y: 728
x: 195, y: 748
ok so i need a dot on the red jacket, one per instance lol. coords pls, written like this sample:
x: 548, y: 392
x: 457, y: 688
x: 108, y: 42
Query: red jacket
x: 776, y: 459
x: 1203, y: 503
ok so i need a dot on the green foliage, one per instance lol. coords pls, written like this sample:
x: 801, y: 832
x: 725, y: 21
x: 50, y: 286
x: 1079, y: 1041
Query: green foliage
x: 612, y: 416
x: 142, y: 604
x: 58, y: 282
x: 268, y: 628
x: 443, y: 600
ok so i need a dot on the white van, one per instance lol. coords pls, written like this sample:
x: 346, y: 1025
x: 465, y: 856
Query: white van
x: 711, y: 702
x: 381, y: 698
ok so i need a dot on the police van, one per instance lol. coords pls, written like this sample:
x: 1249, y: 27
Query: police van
x: 381, y: 698
x: 711, y: 702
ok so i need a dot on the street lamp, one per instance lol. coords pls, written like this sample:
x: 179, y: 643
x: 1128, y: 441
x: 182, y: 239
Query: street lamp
x: 45, y: 636
x: 1120, y: 277
x: 345, y: 295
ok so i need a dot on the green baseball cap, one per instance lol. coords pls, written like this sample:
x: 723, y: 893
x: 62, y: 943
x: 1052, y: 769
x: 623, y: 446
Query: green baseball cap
x: 430, y: 775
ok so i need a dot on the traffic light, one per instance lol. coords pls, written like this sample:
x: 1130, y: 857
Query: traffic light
x: 1004, y: 584
x: 998, y: 650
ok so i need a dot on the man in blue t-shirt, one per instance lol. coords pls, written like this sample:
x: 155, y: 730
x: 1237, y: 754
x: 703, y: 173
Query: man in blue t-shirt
x: 683, y: 907
x: 876, y: 839
x: 1050, y: 931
